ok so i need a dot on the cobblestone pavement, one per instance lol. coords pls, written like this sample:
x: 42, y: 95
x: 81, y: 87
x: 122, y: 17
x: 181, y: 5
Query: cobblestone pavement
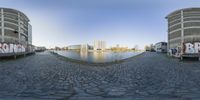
x: 149, y: 76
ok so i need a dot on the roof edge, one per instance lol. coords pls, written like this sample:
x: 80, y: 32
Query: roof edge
x: 17, y: 11
x: 181, y: 10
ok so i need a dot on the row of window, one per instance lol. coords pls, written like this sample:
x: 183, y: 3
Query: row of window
x: 177, y: 15
x: 191, y: 15
x: 15, y: 26
x: 174, y: 22
x: 9, y: 34
x: 184, y: 19
x: 12, y: 33
x: 192, y: 31
x: 174, y: 17
x: 174, y: 27
x: 191, y: 19
x: 188, y: 24
x: 15, y: 18
x: 187, y: 32
x: 10, y: 11
x: 11, y: 26
x: 192, y: 39
x: 175, y: 41
x: 14, y: 12
x: 192, y: 10
x: 10, y: 20
x: 174, y: 35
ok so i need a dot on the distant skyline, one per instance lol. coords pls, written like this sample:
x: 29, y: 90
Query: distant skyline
x: 124, y: 22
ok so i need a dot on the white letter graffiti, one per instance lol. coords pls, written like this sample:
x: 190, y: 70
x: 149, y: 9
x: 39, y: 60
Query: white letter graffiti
x: 5, y: 48
x: 192, y: 48
x: 197, y: 47
x: 11, y: 48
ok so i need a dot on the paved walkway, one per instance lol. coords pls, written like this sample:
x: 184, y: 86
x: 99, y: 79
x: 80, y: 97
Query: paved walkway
x: 149, y: 76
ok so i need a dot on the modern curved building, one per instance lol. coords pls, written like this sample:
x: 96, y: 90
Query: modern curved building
x: 16, y: 30
x: 183, y: 27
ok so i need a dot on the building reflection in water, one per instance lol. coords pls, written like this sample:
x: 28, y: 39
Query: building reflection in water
x: 84, y: 55
x: 92, y: 56
x: 99, y: 56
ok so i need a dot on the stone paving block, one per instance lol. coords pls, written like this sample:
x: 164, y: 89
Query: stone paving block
x: 150, y: 76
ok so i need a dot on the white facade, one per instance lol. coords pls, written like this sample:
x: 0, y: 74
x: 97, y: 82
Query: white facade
x: 161, y: 47
x: 99, y: 45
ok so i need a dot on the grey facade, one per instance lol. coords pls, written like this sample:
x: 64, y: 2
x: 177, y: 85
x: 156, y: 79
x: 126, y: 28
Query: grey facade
x: 14, y: 26
x: 15, y: 32
x: 183, y: 27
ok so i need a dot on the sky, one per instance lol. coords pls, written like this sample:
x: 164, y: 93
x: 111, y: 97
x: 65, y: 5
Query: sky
x: 124, y: 22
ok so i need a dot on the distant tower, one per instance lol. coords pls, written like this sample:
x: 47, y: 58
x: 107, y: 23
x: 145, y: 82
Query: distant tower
x: 99, y: 45
x: 117, y: 45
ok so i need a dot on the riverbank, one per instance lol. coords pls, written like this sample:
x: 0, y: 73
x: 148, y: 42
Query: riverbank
x: 149, y: 76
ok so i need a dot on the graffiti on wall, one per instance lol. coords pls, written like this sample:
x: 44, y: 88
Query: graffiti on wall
x: 192, y: 47
x: 11, y: 48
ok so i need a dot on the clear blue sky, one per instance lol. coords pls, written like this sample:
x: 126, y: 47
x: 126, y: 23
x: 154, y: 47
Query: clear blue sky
x: 124, y: 22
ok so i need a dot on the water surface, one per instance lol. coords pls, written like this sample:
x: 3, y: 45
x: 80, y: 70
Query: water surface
x: 97, y: 57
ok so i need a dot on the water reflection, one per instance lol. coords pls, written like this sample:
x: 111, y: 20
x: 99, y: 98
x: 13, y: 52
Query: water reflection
x: 97, y: 57
x: 84, y: 55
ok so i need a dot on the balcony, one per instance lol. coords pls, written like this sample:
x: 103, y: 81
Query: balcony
x: 11, y: 39
x: 11, y: 25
